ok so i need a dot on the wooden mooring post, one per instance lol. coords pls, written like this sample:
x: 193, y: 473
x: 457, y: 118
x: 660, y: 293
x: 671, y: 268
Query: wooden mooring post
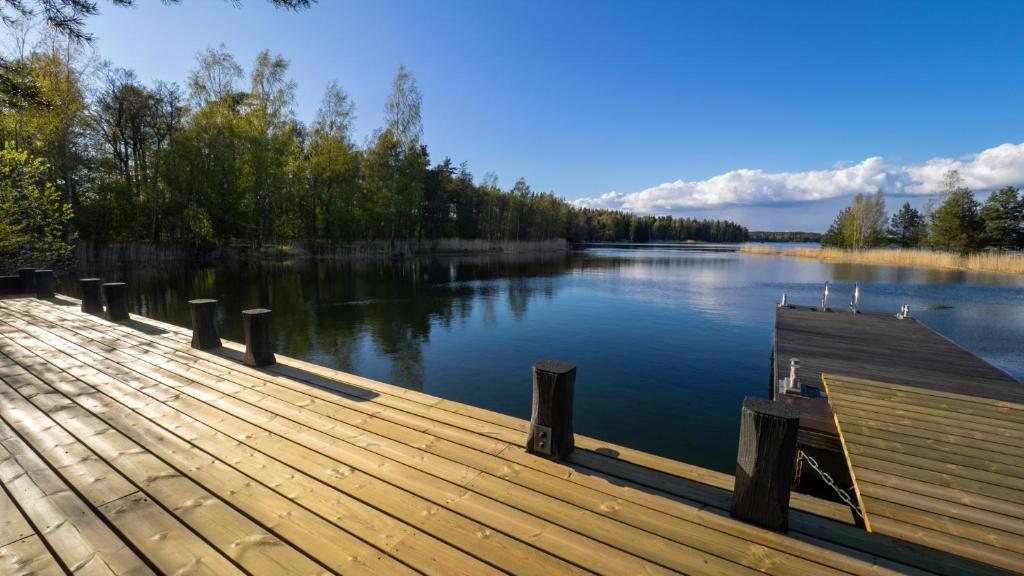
x: 46, y: 282
x: 115, y: 294
x: 204, y: 324
x: 259, y: 348
x: 765, y: 462
x: 551, y: 433
x: 91, y: 302
x: 10, y: 284
x: 28, y: 280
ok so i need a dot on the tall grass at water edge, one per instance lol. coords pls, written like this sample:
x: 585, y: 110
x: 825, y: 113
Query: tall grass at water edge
x: 997, y: 262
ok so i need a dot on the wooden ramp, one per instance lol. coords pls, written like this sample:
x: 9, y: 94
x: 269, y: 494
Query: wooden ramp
x: 124, y: 451
x: 935, y: 467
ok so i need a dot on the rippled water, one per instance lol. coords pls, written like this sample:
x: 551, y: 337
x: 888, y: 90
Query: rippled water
x: 667, y: 342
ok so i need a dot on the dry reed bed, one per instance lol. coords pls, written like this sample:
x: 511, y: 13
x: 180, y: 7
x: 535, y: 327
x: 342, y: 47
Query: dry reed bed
x: 997, y: 262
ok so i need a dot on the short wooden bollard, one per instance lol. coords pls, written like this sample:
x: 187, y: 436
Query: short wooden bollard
x: 259, y: 350
x: 28, y: 280
x: 765, y: 462
x: 45, y: 283
x: 115, y: 295
x: 10, y: 284
x: 204, y: 324
x: 551, y: 433
x: 91, y: 303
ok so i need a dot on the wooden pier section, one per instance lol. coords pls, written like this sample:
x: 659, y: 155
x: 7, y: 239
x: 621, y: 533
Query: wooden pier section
x: 936, y: 465
x: 928, y: 437
x: 123, y: 450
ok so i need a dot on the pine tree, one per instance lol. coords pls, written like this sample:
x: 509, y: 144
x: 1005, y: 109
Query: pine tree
x: 907, y: 226
x: 955, y: 225
x: 1002, y: 215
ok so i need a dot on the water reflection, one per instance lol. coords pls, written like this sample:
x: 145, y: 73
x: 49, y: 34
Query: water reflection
x: 669, y: 338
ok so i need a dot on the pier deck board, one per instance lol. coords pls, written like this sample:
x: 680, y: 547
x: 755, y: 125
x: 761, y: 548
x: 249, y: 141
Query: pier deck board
x: 935, y: 462
x: 125, y: 451
x: 881, y: 347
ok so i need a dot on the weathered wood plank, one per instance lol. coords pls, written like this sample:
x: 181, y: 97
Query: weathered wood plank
x: 436, y: 427
x: 13, y: 524
x: 233, y: 534
x: 83, y: 541
x: 494, y: 546
x: 339, y: 552
x: 28, y: 557
x: 878, y: 347
x: 945, y: 491
x: 692, y: 533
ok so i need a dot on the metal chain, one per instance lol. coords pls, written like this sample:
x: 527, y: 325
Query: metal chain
x: 802, y: 456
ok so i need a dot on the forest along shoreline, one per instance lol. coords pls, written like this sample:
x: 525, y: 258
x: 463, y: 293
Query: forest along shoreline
x: 137, y: 254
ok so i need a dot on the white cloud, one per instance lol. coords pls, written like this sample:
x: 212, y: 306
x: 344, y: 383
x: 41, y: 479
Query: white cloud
x: 986, y: 170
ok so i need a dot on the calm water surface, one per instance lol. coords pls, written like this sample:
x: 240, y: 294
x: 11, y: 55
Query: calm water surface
x: 667, y: 342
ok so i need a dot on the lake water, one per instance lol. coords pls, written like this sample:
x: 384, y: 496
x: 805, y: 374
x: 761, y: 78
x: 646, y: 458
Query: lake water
x: 666, y: 341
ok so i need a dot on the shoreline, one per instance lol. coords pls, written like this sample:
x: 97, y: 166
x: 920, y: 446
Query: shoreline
x: 1010, y: 263
x: 144, y: 255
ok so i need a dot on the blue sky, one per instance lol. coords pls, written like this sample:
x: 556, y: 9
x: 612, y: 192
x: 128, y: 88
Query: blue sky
x: 650, y: 101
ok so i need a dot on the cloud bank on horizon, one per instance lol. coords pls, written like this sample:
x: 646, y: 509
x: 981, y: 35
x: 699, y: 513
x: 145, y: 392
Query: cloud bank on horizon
x: 989, y: 169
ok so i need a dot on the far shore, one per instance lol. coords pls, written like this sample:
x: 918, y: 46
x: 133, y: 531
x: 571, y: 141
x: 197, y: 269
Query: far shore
x: 993, y: 262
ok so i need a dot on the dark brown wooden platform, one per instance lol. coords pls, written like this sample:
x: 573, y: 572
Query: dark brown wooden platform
x: 913, y: 451
x: 882, y: 347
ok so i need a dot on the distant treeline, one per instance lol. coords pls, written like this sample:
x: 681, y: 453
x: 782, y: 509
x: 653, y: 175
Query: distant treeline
x: 953, y: 221
x: 225, y: 161
x: 606, y: 225
x: 765, y: 236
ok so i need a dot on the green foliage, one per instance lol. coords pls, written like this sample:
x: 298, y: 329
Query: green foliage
x: 228, y: 162
x: 907, y: 227
x: 860, y: 225
x: 1002, y: 217
x: 767, y: 236
x: 33, y: 216
x: 955, y: 225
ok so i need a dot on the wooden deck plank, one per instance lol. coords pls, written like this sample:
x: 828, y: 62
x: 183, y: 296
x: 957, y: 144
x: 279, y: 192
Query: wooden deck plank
x: 332, y: 546
x: 420, y: 462
x: 922, y: 413
x: 867, y: 434
x: 894, y: 412
x: 880, y: 347
x: 177, y: 549
x: 600, y: 505
x: 945, y: 508
x: 13, y: 524
x: 28, y: 557
x: 943, y: 521
x: 339, y: 476
x: 595, y: 477
x: 517, y: 557
x: 76, y: 534
x: 952, y: 495
x: 233, y: 535
x: 969, y: 470
x: 445, y: 486
x: 960, y: 500
x: 982, y: 412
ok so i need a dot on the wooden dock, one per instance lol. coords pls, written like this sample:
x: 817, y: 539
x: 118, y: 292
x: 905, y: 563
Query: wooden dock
x: 936, y: 466
x: 125, y: 451
x: 928, y: 437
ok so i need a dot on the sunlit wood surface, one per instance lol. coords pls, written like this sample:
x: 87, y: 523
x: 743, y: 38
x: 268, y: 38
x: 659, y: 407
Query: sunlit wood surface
x: 936, y: 467
x: 124, y: 451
